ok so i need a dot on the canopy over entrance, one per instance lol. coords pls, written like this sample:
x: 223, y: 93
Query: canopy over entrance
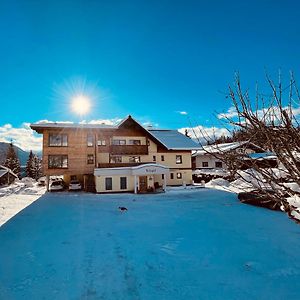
x: 141, y: 171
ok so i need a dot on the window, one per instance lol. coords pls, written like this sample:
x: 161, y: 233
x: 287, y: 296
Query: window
x: 179, y: 175
x: 57, y: 161
x: 90, y: 140
x: 58, y: 140
x: 134, y: 142
x: 101, y: 143
x: 162, y: 158
x: 119, y: 142
x: 154, y: 158
x: 162, y: 176
x: 178, y: 159
x: 90, y: 159
x: 134, y: 159
x: 172, y: 175
x: 218, y: 164
x: 116, y: 159
x: 123, y: 183
x: 73, y: 177
x: 205, y: 164
x: 108, y: 183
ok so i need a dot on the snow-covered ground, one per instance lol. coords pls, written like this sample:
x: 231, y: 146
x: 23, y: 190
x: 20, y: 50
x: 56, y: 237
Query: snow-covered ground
x: 16, y: 197
x: 248, y: 182
x: 192, y: 244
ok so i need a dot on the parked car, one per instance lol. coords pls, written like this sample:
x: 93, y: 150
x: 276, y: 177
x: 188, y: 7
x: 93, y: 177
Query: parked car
x: 260, y: 198
x: 42, y: 181
x: 56, y: 186
x: 75, y: 185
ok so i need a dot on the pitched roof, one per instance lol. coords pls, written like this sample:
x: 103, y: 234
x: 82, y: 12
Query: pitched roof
x: 174, y: 140
x: 225, y: 147
x: 171, y: 139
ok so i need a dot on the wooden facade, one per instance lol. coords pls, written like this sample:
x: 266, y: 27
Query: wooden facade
x: 85, y: 148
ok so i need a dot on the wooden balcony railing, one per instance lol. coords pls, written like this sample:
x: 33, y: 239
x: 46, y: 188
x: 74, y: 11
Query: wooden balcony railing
x: 118, y: 165
x: 128, y: 150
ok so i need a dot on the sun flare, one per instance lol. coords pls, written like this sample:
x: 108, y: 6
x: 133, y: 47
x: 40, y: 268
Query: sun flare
x: 81, y: 104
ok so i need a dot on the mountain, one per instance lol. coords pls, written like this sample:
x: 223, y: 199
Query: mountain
x: 22, y: 155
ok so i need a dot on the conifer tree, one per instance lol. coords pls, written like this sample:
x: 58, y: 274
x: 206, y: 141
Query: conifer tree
x: 12, y: 161
x: 36, y: 167
x: 29, y: 165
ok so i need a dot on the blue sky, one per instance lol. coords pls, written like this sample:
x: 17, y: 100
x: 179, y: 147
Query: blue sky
x: 150, y: 59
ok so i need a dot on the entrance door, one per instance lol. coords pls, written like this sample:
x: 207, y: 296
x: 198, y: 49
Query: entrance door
x: 143, y: 184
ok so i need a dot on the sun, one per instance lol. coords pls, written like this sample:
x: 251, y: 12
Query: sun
x: 81, y: 105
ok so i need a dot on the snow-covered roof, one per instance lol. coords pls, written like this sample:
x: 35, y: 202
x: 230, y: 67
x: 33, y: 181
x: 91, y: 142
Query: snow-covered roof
x: 264, y: 155
x: 225, y: 147
x: 71, y: 125
x: 4, y: 170
x: 173, y: 139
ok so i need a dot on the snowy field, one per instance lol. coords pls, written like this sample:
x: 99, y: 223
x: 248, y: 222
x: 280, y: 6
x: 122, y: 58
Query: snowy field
x: 193, y: 244
x: 16, y: 197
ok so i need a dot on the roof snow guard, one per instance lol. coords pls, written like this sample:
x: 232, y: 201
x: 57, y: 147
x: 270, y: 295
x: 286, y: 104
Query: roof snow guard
x: 171, y: 139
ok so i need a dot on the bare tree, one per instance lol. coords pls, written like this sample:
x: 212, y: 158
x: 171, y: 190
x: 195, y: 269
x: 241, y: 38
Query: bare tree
x: 271, y: 119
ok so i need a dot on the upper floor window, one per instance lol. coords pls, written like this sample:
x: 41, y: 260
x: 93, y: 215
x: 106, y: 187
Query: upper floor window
x: 57, y: 161
x: 219, y: 164
x: 179, y: 175
x: 90, y: 140
x: 101, y: 143
x: 162, y: 158
x: 178, y: 159
x: 205, y: 164
x: 116, y: 159
x: 58, y: 140
x: 119, y: 142
x: 134, y: 159
x: 134, y: 142
x: 90, y: 159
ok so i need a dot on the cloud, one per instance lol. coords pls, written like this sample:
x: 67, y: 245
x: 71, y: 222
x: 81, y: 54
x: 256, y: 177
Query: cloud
x: 205, y: 133
x: 231, y: 113
x: 113, y: 121
x: 23, y: 137
x: 270, y: 112
x: 184, y: 113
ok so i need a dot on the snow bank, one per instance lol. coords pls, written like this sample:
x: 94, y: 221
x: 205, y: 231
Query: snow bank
x: 17, y: 196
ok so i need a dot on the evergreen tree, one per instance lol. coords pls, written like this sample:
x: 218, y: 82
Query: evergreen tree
x: 33, y: 166
x: 36, y: 167
x: 12, y: 161
x: 29, y: 165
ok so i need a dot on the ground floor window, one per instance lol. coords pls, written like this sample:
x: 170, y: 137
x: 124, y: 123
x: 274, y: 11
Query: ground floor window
x: 134, y: 159
x: 123, y: 183
x: 172, y: 175
x: 58, y: 161
x: 73, y: 177
x: 108, y: 183
x: 179, y: 175
x: 218, y: 164
x: 205, y: 164
x: 116, y: 159
x: 90, y: 159
x: 162, y: 176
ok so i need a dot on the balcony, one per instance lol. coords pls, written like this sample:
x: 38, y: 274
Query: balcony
x: 128, y: 150
x: 119, y: 165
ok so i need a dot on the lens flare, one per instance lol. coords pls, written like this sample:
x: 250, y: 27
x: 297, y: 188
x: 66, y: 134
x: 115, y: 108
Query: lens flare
x: 81, y: 105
